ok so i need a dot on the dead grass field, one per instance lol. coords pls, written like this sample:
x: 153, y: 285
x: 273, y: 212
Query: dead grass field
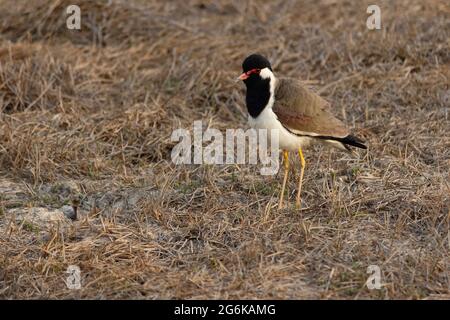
x: 88, y: 115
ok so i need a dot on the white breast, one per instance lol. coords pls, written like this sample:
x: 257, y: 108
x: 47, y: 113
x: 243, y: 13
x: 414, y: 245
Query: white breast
x: 268, y: 120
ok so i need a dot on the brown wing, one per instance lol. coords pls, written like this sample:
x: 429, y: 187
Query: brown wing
x: 304, y: 112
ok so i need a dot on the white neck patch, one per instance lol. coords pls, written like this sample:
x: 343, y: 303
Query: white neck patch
x: 266, y: 73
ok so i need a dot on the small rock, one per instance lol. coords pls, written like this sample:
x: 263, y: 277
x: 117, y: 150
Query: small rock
x: 37, y: 215
x: 69, y: 212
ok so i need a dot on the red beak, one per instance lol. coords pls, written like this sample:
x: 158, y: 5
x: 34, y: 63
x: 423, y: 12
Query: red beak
x: 242, y: 77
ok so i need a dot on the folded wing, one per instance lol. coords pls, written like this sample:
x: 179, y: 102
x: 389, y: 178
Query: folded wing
x: 303, y: 112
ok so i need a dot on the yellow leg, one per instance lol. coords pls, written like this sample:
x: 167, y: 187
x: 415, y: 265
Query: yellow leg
x: 286, y: 172
x: 302, y: 170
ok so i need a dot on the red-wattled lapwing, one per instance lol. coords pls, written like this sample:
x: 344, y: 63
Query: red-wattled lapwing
x: 301, y: 116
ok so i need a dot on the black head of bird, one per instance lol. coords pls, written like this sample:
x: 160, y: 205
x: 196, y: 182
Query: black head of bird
x: 252, y: 67
x: 258, y: 78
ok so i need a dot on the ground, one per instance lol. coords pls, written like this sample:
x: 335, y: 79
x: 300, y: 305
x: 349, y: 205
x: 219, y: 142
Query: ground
x: 86, y: 117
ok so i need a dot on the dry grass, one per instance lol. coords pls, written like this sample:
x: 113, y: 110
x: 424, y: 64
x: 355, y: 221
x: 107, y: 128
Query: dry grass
x: 89, y: 114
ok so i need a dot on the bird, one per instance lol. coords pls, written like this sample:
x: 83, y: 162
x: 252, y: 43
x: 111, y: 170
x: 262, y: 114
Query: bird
x: 300, y: 115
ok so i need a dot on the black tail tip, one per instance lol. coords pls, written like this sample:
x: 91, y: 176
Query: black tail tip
x: 354, y: 142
